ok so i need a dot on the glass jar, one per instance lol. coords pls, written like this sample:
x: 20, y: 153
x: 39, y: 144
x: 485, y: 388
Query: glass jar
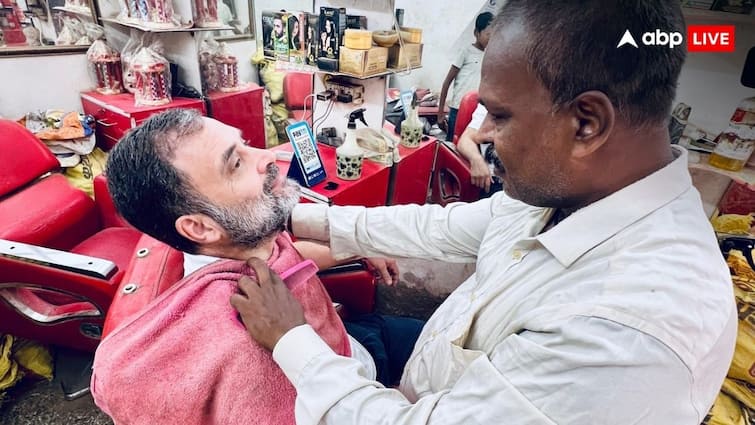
x: 736, y: 144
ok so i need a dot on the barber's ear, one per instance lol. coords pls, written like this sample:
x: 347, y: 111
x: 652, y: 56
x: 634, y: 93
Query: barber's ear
x: 595, y: 116
x: 199, y: 228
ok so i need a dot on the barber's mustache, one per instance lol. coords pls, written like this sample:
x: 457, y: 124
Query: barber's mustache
x: 492, y: 157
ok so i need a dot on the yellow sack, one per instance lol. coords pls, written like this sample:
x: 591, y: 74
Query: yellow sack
x: 34, y: 358
x: 8, y: 368
x: 727, y: 411
x: 82, y: 175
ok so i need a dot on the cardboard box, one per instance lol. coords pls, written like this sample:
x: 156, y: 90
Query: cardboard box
x: 399, y: 56
x: 363, y: 62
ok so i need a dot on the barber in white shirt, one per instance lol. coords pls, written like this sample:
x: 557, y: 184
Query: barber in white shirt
x: 600, y: 296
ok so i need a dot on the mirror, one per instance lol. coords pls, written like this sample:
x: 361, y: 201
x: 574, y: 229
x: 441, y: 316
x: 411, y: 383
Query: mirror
x: 238, y: 15
x: 44, y: 26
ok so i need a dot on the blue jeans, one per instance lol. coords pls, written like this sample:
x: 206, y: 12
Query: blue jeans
x: 452, y: 112
x: 389, y: 340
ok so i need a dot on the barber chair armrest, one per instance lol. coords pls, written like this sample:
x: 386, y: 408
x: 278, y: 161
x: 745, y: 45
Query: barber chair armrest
x: 53, y: 296
x: 352, y: 285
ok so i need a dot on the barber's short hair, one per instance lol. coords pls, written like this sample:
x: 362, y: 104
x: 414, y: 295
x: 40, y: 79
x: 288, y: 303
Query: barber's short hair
x: 148, y: 191
x: 571, y: 47
x: 483, y: 21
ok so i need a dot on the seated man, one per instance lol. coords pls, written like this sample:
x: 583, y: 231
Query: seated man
x: 192, y: 183
x: 481, y: 155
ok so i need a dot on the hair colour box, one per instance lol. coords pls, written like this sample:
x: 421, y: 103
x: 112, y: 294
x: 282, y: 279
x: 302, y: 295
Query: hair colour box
x: 332, y: 28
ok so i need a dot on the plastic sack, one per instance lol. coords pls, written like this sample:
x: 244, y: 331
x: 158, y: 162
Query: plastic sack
x: 105, y: 67
x: 83, y: 174
x: 735, y: 404
x: 71, y: 33
x: 208, y: 71
x: 152, y: 77
x: 19, y: 358
x: 133, y: 45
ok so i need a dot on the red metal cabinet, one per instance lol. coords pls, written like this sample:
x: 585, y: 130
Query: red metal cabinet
x: 410, y: 177
x: 116, y: 114
x: 370, y: 190
x: 241, y: 109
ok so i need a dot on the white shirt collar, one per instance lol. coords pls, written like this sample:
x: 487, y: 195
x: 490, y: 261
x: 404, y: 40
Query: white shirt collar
x: 595, y: 223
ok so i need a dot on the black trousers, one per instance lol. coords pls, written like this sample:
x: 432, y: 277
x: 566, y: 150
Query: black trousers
x: 389, y: 340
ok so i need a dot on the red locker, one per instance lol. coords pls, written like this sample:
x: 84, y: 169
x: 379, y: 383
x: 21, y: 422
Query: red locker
x: 241, y: 109
x: 410, y: 177
x: 116, y: 114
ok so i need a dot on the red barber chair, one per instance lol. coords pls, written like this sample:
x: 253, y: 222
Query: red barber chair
x: 296, y: 87
x: 452, y: 180
x: 62, y: 255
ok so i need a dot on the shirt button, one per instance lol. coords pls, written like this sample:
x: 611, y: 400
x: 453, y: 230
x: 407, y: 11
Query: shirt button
x: 516, y: 255
x: 434, y: 334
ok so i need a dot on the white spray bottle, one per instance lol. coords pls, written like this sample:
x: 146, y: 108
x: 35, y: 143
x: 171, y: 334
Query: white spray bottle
x: 349, y: 155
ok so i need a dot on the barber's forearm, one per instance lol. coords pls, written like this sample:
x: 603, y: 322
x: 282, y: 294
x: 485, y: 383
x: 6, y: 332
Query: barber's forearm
x: 310, y: 221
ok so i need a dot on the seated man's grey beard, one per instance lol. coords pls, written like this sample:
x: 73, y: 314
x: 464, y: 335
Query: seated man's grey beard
x: 253, y: 221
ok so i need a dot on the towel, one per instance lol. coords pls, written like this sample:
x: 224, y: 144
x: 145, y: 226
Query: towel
x: 187, y: 359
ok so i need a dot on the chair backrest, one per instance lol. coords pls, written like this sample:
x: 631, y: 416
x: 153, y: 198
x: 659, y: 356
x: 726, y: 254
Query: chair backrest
x: 466, y: 108
x: 24, y: 157
x: 296, y: 87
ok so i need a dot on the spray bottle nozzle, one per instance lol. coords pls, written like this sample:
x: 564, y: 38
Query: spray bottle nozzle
x: 357, y: 114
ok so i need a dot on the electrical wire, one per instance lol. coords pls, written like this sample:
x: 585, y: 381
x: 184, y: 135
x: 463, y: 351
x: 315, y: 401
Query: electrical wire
x: 312, y: 95
x: 317, y: 123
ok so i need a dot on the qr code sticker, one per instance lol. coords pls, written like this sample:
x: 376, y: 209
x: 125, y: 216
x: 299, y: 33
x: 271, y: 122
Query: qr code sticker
x: 307, y: 154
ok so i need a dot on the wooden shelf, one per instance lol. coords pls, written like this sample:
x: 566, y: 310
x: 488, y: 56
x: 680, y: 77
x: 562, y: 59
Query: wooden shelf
x: 295, y: 67
x: 145, y: 28
x: 716, y: 16
x: 746, y: 174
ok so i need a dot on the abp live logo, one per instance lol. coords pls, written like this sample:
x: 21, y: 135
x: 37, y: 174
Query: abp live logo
x: 710, y: 38
x: 700, y: 38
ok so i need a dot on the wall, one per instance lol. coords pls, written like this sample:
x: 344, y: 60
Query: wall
x: 44, y: 82
x: 710, y: 82
x: 445, y: 29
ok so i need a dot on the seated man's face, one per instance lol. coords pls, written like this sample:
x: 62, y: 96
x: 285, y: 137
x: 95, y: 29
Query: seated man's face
x: 251, y: 200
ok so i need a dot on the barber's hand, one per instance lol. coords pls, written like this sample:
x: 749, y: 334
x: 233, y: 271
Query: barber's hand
x: 481, y: 176
x: 266, y: 306
x: 386, y: 269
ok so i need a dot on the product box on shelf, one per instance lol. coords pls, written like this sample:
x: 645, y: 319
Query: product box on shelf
x: 408, y: 55
x: 312, y: 40
x: 267, y: 33
x: 280, y: 35
x: 297, y: 49
x: 363, y: 62
x: 332, y: 28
